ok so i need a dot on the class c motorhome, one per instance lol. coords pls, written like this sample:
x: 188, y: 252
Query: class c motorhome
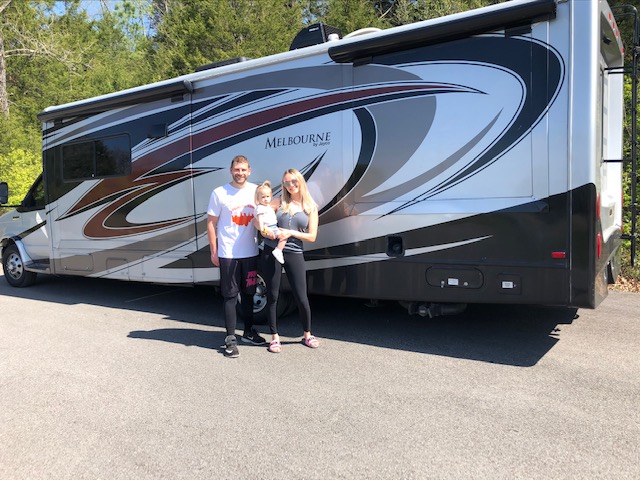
x: 470, y: 158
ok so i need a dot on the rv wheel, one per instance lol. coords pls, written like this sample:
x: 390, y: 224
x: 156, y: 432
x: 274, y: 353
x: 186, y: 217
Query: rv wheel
x: 14, y: 271
x: 285, y: 302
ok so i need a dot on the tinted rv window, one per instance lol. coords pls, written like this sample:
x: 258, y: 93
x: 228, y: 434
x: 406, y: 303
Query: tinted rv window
x: 35, y: 199
x: 106, y: 157
x: 77, y: 161
x: 113, y: 156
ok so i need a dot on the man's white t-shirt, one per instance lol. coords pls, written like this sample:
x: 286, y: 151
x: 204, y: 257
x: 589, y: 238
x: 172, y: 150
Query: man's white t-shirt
x: 235, y: 209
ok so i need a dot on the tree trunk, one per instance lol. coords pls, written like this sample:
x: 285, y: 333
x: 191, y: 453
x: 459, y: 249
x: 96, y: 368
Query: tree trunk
x: 4, y: 100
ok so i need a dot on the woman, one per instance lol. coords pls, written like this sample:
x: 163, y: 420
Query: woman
x: 297, y: 215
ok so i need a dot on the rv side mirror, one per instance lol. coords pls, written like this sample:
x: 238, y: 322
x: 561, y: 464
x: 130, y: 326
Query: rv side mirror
x: 4, y: 193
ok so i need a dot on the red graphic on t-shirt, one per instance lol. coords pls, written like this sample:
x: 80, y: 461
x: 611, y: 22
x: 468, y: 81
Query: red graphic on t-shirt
x: 243, y: 215
x: 252, y: 278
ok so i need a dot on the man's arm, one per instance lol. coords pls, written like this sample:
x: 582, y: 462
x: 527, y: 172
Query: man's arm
x: 212, y: 221
x: 257, y: 220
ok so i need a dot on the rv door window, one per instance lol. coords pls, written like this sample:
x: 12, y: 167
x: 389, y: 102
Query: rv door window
x: 35, y: 199
x: 106, y: 157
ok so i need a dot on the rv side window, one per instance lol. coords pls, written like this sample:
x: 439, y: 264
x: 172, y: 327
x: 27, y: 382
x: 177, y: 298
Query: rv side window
x: 106, y: 157
x: 77, y: 161
x: 113, y: 157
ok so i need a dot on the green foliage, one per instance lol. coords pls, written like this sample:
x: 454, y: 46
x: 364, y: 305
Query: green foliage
x: 351, y: 15
x: 627, y: 271
x: 426, y: 9
x: 625, y: 22
x: 54, y: 58
x: 133, y: 18
x: 197, y: 32
x: 19, y: 168
x: 19, y: 132
x: 627, y: 149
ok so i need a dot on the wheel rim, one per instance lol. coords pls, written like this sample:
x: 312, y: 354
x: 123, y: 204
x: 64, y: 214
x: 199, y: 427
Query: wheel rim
x: 14, y: 266
x: 260, y: 297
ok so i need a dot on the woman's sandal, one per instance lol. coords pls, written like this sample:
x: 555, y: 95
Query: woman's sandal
x: 275, y: 346
x: 311, y: 342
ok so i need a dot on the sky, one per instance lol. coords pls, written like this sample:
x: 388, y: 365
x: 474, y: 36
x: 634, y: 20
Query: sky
x: 94, y: 9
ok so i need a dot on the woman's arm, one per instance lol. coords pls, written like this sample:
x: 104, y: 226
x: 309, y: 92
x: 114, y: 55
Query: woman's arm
x: 312, y: 229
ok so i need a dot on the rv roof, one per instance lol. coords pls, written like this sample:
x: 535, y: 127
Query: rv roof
x: 504, y: 15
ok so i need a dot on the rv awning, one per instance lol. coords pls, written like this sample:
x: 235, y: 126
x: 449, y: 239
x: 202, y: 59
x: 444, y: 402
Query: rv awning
x: 115, y: 100
x: 516, y: 13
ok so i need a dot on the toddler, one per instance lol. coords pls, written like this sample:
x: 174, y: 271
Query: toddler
x: 267, y: 220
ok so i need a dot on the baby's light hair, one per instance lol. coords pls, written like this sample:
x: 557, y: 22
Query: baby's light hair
x: 266, y: 185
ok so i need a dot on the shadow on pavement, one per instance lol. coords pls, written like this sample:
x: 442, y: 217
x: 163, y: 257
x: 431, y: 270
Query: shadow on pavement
x: 504, y: 334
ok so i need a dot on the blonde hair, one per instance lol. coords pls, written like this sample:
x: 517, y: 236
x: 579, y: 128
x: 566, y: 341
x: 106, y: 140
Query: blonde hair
x: 308, y: 204
x: 266, y: 185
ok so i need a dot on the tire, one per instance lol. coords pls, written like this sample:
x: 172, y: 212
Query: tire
x: 13, y: 267
x: 286, y: 305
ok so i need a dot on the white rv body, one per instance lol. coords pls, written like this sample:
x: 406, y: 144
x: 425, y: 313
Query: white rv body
x: 453, y: 160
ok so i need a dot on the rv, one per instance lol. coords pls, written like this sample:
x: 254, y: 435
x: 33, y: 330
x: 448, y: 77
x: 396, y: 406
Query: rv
x: 472, y: 158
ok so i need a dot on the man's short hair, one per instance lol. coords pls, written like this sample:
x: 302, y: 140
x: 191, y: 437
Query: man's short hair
x: 240, y: 159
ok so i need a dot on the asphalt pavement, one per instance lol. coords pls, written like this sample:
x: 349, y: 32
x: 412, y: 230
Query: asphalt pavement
x: 108, y: 380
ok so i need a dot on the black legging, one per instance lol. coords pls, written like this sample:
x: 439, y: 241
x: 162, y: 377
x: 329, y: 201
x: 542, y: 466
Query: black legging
x: 297, y: 277
x: 230, y: 315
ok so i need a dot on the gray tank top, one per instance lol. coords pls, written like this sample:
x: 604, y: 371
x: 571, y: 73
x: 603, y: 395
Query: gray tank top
x: 298, y: 221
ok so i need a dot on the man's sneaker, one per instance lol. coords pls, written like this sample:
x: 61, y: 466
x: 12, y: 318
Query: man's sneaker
x: 253, y: 337
x: 231, y: 347
x: 277, y: 254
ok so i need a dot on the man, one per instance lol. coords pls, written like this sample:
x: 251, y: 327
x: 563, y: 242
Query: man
x: 234, y: 248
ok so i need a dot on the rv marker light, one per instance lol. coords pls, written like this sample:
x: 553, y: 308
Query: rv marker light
x: 599, y: 245
x: 558, y: 254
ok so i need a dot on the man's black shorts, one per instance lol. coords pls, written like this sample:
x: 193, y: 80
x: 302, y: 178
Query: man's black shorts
x: 238, y: 274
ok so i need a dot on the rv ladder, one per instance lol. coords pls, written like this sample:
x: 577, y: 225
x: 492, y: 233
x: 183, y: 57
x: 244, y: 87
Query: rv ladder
x: 631, y: 11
